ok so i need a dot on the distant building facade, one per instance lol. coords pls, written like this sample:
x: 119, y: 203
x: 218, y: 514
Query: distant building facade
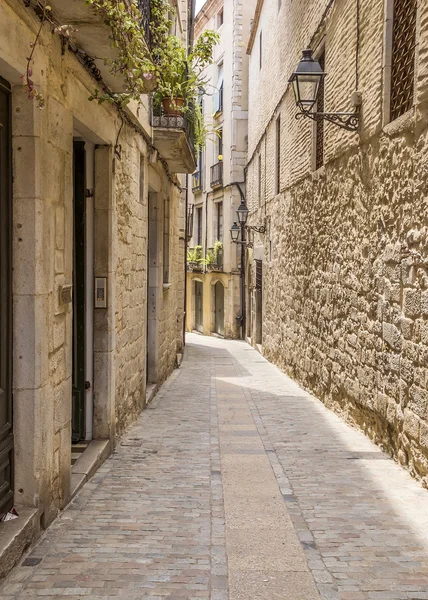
x: 342, y: 268
x: 213, y: 279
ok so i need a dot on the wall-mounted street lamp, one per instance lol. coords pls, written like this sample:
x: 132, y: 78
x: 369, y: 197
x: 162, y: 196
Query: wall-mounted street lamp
x: 237, y: 231
x: 242, y: 228
x: 306, y: 81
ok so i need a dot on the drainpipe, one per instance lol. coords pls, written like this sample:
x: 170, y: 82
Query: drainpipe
x: 190, y: 34
x: 186, y: 242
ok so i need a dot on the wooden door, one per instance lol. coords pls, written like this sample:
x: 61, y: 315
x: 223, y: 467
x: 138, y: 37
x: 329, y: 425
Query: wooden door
x: 199, y: 322
x: 6, y: 432
x: 78, y: 403
x: 219, y: 308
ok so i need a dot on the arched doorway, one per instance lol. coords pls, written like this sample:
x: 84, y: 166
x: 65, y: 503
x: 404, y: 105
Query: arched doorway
x: 219, y: 308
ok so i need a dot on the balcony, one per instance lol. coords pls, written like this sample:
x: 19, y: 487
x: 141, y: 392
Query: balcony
x: 93, y: 35
x: 217, y: 175
x: 197, y: 182
x: 173, y: 138
x: 215, y: 261
x: 194, y: 259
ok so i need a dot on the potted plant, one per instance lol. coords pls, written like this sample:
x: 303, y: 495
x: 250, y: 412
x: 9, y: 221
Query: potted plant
x: 180, y: 78
x: 214, y: 257
x: 194, y: 257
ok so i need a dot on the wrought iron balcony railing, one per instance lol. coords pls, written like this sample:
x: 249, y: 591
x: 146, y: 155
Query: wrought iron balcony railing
x: 197, y: 182
x: 217, y: 175
x: 173, y: 135
x: 217, y: 263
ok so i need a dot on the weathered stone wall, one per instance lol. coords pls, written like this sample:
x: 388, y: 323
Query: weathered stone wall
x: 345, y: 300
x: 43, y: 260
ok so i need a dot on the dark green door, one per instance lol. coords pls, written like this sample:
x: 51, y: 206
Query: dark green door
x: 78, y: 412
x: 199, y: 323
x: 219, y: 308
x: 6, y: 433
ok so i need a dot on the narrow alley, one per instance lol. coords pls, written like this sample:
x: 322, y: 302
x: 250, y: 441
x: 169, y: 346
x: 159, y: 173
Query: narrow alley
x: 236, y: 484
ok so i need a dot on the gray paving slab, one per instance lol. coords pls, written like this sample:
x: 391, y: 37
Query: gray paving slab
x: 236, y: 484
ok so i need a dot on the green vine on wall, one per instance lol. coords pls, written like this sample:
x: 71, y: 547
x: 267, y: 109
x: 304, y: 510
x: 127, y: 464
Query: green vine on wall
x: 135, y: 62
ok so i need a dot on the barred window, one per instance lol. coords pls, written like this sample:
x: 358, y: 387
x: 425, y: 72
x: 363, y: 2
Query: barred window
x: 199, y: 226
x: 166, y: 233
x: 319, y: 125
x: 278, y: 156
x: 403, y: 56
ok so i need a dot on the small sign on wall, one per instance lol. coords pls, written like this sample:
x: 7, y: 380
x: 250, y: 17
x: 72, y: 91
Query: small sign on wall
x: 100, y: 292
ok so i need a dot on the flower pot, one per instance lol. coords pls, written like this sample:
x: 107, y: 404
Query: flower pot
x: 173, y: 106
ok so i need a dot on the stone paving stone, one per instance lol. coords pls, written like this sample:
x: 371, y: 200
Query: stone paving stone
x: 151, y: 524
x: 361, y: 519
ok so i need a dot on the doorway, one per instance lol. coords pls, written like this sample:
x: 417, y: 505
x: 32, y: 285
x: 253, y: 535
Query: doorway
x: 79, y: 291
x: 219, y: 308
x: 154, y: 287
x: 6, y: 431
x: 259, y: 302
x: 199, y: 323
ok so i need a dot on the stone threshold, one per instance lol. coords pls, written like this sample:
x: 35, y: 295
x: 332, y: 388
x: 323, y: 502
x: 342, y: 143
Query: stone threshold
x: 88, y: 463
x: 16, y: 537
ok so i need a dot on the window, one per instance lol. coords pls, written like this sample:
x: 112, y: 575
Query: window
x: 220, y: 145
x: 278, y: 156
x: 403, y: 57
x: 220, y: 18
x: 260, y: 179
x: 199, y: 226
x: 319, y: 125
x: 220, y: 221
x: 261, y: 48
x: 166, y: 226
x: 218, y: 96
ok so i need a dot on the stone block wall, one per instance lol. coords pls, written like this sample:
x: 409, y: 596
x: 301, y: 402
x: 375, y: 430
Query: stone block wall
x: 43, y: 260
x: 345, y: 260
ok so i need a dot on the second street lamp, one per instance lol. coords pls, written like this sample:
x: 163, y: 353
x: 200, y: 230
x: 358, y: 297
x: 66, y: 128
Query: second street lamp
x: 242, y: 213
x: 242, y: 229
x: 234, y: 232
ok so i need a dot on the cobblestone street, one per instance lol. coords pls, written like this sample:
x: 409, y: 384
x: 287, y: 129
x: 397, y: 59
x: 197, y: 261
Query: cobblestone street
x: 236, y: 484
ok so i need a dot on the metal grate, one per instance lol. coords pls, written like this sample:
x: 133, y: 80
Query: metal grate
x: 217, y: 175
x: 259, y: 275
x: 403, y: 56
x: 278, y: 156
x: 190, y: 213
x: 319, y: 125
x: 144, y: 8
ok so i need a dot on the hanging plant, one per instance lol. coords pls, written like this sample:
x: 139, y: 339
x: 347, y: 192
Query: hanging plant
x: 135, y: 61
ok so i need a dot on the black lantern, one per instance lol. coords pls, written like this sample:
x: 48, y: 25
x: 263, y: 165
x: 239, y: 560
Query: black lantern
x: 306, y: 81
x: 234, y: 232
x: 242, y: 213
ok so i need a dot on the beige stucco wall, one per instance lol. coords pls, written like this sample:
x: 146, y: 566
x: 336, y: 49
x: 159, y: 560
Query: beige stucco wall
x: 345, y: 255
x: 43, y: 259
x: 231, y: 291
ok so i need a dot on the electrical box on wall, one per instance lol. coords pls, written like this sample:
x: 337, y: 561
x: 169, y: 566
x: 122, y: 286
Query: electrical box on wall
x: 66, y: 294
x: 100, y: 292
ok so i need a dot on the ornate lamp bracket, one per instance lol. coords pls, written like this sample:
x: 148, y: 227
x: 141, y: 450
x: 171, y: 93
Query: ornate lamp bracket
x: 345, y: 120
x: 256, y: 228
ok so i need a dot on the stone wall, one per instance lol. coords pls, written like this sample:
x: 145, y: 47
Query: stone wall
x: 345, y: 299
x: 43, y: 260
